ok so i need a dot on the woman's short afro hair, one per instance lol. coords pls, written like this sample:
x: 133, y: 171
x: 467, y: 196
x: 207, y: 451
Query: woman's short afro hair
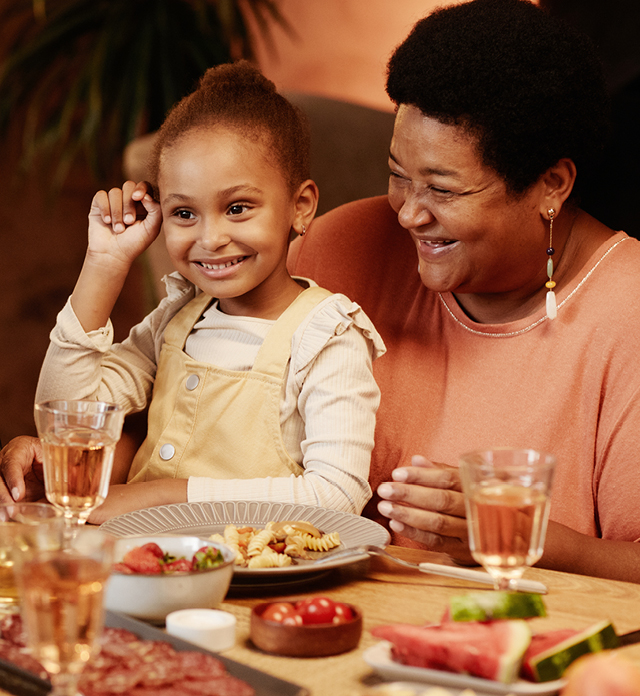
x: 528, y: 86
x: 238, y: 96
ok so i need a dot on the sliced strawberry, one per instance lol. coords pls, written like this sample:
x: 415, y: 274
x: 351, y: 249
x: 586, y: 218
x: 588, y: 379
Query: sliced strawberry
x: 122, y: 568
x: 181, y: 565
x: 142, y: 560
x: 154, y: 548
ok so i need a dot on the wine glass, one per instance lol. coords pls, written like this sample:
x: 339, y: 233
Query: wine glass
x: 61, y: 584
x: 78, y: 442
x: 13, y: 516
x: 507, y: 502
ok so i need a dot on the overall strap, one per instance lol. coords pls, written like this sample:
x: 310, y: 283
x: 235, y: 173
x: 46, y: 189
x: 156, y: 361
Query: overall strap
x: 275, y: 352
x: 178, y: 329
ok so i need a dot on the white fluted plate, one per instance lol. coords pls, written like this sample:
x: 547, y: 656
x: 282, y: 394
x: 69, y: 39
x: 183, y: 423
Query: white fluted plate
x: 204, y: 519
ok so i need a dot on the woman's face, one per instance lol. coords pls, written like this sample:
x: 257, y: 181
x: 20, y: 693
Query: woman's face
x: 471, y: 235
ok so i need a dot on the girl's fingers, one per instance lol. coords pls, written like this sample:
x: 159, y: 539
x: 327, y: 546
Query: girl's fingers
x: 116, y: 205
x: 100, y: 206
x: 129, y: 202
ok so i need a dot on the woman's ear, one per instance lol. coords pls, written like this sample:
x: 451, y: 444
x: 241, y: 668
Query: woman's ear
x: 305, y: 200
x: 557, y: 184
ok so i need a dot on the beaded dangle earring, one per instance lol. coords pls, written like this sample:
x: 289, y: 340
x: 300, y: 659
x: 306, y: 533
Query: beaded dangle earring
x: 552, y: 309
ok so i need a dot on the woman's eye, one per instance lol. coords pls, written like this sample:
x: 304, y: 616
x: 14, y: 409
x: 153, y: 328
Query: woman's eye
x: 442, y: 191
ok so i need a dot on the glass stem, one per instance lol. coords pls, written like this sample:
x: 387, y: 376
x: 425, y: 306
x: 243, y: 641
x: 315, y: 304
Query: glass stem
x: 502, y: 584
x: 64, y: 684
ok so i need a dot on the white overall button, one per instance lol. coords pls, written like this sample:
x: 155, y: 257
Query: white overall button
x: 192, y: 382
x: 167, y: 451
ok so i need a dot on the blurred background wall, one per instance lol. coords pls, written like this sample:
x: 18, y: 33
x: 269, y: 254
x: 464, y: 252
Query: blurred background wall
x: 339, y: 52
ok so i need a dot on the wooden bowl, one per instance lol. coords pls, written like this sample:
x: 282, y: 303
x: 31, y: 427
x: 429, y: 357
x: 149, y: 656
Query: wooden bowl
x: 311, y: 640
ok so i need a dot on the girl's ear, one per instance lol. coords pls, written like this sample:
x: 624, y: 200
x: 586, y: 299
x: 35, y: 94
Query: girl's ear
x: 305, y: 201
x: 557, y: 184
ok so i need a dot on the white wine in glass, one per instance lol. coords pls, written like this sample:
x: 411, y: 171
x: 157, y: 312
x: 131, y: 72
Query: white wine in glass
x: 62, y: 585
x: 78, y: 441
x: 507, y: 503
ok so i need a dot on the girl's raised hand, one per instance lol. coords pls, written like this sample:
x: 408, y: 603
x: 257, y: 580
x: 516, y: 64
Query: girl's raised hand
x: 123, y: 223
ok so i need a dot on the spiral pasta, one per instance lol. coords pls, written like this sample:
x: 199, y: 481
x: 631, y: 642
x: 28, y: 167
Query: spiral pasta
x: 277, y: 544
x: 323, y: 543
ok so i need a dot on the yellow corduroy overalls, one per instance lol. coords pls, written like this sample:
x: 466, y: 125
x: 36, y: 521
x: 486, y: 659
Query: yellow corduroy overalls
x: 208, y: 421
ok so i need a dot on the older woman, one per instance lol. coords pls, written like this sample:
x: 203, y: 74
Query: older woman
x: 522, y: 328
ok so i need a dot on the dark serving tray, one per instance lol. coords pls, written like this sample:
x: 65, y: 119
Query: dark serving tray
x: 22, y: 683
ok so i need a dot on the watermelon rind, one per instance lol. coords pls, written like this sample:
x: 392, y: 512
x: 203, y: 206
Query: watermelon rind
x: 510, y: 661
x: 485, y: 606
x: 551, y: 664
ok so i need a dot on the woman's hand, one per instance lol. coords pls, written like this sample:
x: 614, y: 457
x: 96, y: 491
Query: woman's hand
x: 424, y: 502
x: 21, y: 475
x: 123, y: 223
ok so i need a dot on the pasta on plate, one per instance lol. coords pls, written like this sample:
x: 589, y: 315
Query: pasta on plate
x: 277, y: 545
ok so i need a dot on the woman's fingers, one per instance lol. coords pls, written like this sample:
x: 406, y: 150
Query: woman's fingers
x: 18, y: 459
x: 424, y: 503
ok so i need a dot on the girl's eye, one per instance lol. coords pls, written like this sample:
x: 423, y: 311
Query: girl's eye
x: 237, y: 209
x: 184, y: 214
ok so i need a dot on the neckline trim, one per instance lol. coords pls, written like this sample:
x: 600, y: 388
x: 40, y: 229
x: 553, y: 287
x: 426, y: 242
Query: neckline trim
x: 540, y: 320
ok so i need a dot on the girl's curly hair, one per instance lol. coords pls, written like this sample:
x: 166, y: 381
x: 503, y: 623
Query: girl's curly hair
x: 238, y: 96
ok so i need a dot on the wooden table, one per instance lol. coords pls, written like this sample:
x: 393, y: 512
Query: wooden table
x: 388, y: 593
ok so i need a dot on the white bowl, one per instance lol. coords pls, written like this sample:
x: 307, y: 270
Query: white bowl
x: 152, y: 597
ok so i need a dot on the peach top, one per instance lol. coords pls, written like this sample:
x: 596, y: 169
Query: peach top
x: 570, y: 386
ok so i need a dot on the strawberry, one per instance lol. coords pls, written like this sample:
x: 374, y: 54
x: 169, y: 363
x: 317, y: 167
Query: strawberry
x: 154, y: 548
x: 180, y: 565
x: 142, y: 560
x: 122, y: 568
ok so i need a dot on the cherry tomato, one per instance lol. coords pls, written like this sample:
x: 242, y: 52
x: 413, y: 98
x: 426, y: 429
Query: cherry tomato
x: 316, y: 610
x: 343, y: 613
x: 292, y: 620
x: 282, y: 612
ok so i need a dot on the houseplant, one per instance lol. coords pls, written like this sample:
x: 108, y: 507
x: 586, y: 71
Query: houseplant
x: 85, y: 77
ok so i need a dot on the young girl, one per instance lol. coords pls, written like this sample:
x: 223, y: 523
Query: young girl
x: 264, y: 392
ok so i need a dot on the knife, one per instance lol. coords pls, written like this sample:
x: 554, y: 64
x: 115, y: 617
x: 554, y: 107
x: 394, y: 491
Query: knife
x: 629, y: 638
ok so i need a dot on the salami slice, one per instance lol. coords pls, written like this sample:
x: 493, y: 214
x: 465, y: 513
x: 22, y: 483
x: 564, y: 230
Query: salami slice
x: 197, y: 665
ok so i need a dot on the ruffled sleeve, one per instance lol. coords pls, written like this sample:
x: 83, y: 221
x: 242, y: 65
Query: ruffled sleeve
x: 332, y: 317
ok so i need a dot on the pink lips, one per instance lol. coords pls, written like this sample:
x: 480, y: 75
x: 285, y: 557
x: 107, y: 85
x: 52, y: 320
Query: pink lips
x: 435, y: 248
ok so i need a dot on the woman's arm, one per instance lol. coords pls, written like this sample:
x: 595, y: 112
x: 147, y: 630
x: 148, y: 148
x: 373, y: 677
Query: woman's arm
x: 424, y: 503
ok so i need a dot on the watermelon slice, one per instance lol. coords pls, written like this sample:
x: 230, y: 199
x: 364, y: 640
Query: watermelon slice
x: 485, y: 606
x: 491, y: 650
x: 549, y: 654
